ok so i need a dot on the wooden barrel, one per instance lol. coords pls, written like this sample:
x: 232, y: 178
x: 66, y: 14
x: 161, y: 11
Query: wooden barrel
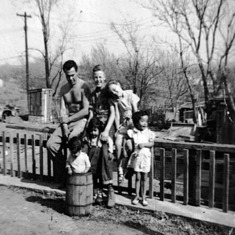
x: 79, y: 194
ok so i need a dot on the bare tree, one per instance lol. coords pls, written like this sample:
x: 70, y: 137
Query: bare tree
x: 52, y: 58
x: 139, y: 67
x: 207, y: 28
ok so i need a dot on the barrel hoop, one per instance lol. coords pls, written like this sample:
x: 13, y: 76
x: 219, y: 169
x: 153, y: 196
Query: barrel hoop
x: 89, y: 204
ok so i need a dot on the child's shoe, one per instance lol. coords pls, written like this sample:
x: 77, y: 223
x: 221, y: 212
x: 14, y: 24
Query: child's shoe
x: 135, y: 201
x: 99, y: 198
x: 95, y: 195
x: 145, y: 203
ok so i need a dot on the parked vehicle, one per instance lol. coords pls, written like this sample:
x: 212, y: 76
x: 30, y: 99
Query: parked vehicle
x: 8, y: 110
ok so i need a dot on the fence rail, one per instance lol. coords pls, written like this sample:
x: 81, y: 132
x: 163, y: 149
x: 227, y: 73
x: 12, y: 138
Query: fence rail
x: 207, y: 170
x: 189, y: 173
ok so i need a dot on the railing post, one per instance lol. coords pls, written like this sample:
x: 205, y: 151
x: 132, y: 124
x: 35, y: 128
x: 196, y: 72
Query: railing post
x: 4, y: 153
x: 33, y: 157
x: 18, y: 155
x: 151, y: 174
x: 41, y: 157
x: 195, y: 162
x: 162, y: 172
x: 198, y: 177
x: 11, y: 155
x: 186, y: 176
x: 26, y: 155
x: 226, y: 183
x: 212, y: 179
x: 173, y: 175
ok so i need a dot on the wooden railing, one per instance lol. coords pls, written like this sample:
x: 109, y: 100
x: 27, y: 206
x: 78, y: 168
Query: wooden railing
x: 207, y: 170
x: 190, y: 173
x: 25, y: 155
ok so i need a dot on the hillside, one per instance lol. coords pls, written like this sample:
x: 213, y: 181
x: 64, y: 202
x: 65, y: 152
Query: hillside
x: 11, y: 93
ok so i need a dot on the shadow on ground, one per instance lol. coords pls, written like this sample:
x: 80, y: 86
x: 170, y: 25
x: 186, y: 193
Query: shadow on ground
x: 56, y: 204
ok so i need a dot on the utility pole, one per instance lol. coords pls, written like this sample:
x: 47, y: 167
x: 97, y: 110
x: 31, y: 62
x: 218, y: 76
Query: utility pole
x: 26, y: 54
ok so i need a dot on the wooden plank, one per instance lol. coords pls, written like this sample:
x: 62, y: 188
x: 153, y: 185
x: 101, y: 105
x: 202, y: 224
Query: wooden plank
x: 212, y: 179
x: 4, y: 152
x: 162, y: 173
x: 226, y: 183
x: 160, y: 143
x: 173, y: 175
x: 18, y: 155
x: 11, y: 155
x: 151, y: 174
x: 33, y: 157
x: 41, y: 156
x: 186, y: 176
x: 198, y: 177
x: 26, y: 155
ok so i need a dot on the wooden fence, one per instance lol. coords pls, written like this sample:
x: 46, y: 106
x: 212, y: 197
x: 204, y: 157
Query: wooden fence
x: 188, y: 173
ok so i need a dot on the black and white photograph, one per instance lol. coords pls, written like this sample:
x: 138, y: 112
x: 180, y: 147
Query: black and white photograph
x: 117, y: 117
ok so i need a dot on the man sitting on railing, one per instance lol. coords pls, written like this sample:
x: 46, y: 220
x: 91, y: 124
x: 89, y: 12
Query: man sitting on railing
x: 74, y: 109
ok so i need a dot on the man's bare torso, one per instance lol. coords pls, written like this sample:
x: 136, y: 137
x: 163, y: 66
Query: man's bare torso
x: 73, y: 96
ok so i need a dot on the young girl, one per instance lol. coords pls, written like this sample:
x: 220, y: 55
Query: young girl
x: 101, y: 156
x: 125, y: 102
x: 140, y: 160
x: 78, y: 161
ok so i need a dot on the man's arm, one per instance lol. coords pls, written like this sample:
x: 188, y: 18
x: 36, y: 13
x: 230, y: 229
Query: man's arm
x: 63, y: 115
x: 135, y: 106
x: 104, y: 135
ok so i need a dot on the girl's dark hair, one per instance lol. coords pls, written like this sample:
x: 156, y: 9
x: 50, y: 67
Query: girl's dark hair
x: 75, y: 144
x: 94, y: 123
x: 137, y: 116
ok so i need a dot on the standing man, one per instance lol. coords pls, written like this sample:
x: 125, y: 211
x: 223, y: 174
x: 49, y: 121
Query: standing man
x: 74, y: 110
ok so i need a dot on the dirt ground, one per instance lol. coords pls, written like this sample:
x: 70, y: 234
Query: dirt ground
x: 26, y: 212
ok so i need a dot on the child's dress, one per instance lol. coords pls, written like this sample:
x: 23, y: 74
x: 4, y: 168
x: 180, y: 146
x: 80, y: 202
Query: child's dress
x: 140, y: 159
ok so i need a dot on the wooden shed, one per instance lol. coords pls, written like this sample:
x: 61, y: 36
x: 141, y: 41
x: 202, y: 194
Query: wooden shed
x: 40, y: 102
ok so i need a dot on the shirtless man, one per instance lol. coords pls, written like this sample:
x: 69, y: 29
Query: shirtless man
x: 74, y: 109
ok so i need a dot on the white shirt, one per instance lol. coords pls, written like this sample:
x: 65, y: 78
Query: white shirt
x: 79, y: 163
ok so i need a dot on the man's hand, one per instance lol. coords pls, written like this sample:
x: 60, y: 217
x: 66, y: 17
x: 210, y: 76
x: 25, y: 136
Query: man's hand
x: 104, y: 136
x: 64, y: 120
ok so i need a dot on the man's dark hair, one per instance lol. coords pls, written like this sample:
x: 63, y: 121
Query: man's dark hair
x: 75, y: 144
x: 70, y: 64
x: 137, y: 116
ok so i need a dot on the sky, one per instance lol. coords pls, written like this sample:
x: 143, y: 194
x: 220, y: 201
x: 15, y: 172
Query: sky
x: 90, y: 25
